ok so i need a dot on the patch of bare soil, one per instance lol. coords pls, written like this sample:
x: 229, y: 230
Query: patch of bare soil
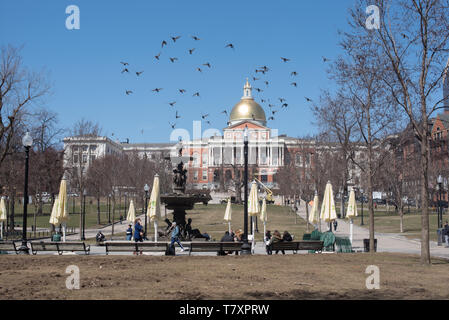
x: 313, y: 276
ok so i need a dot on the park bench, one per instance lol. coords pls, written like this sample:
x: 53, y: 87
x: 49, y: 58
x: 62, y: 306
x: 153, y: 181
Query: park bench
x: 130, y: 246
x: 8, y: 246
x: 311, y: 245
x: 59, y: 247
x: 212, y: 246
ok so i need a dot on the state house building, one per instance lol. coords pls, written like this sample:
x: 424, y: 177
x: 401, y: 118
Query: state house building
x: 216, y: 159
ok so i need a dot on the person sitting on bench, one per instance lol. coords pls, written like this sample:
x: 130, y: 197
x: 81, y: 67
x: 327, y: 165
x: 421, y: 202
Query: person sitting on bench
x: 100, y: 236
x: 275, y: 239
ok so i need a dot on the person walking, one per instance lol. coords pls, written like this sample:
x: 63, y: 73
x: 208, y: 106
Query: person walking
x: 335, y: 225
x: 129, y: 232
x: 175, y: 236
x: 138, y: 230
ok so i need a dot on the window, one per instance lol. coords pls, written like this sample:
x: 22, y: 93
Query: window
x: 75, y: 158
x: 195, y: 175
x: 227, y: 155
x: 204, y: 159
x: 85, y: 148
x: 204, y: 174
x: 93, y: 148
x: 298, y: 160
x: 263, y: 176
x: 76, y: 149
x: 238, y: 155
x: 92, y: 158
x: 196, y: 159
x: 263, y: 155
x: 84, y: 158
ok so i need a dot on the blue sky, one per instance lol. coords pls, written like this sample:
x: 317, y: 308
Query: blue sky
x: 85, y: 71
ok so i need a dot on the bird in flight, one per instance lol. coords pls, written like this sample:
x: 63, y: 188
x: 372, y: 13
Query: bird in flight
x: 325, y: 59
x: 124, y: 63
x: 173, y: 59
x: 273, y: 112
x: 172, y: 125
x: 125, y: 70
x: 271, y: 105
x: 181, y: 90
x: 225, y: 112
x: 294, y: 84
x: 175, y: 38
x: 308, y: 99
x: 177, y: 116
x: 258, y: 89
x: 281, y: 99
x: 264, y: 68
x: 196, y: 94
x: 207, y: 64
x: 285, y: 59
x: 138, y: 73
x: 255, y: 79
x: 263, y: 71
x: 157, y: 89
x: 164, y: 43
x: 157, y: 56
x: 195, y: 38
x: 172, y: 103
x: 208, y: 122
x: 204, y: 116
x: 294, y: 73
x: 271, y: 118
x: 199, y: 69
x: 191, y: 50
x: 230, y: 45
x: 263, y: 100
x: 285, y: 105
x: 266, y: 82
x: 128, y: 92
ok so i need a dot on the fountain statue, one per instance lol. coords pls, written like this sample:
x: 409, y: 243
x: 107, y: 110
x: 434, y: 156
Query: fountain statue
x: 178, y: 200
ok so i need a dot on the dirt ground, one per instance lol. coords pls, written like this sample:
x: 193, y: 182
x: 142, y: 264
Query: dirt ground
x: 313, y: 276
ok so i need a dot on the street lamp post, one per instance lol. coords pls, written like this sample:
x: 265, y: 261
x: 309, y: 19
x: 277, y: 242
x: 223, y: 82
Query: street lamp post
x: 109, y: 208
x: 246, y: 248
x: 363, y: 200
x: 440, y: 208
x: 83, y: 225
x: 146, y: 188
x: 27, y: 142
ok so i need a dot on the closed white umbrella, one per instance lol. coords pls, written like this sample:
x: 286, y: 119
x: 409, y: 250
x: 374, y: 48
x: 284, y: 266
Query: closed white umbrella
x: 154, y: 209
x: 351, y: 212
x: 264, y: 216
x: 131, y: 216
x: 253, y: 206
x: 328, y: 212
x: 228, y: 215
x: 63, y: 213
x: 314, y: 217
x: 3, y: 216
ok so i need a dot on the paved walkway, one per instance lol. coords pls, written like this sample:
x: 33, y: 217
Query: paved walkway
x: 386, y: 242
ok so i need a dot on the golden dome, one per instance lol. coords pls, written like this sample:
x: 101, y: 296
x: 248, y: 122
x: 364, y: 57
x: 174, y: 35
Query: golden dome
x: 247, y: 108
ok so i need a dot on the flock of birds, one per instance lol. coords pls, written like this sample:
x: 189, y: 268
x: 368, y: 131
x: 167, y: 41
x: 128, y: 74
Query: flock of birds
x: 263, y: 70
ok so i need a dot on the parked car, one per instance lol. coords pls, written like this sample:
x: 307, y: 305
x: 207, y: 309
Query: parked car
x: 380, y: 201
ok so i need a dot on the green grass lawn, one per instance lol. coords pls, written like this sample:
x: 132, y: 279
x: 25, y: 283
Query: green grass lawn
x: 210, y: 219
x: 389, y: 221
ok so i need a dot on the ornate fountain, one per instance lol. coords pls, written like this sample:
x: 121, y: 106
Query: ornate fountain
x: 178, y: 200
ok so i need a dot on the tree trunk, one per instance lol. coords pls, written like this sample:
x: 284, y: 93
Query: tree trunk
x: 81, y: 216
x: 401, y: 220
x: 425, y: 245
x: 307, y: 216
x: 12, y: 209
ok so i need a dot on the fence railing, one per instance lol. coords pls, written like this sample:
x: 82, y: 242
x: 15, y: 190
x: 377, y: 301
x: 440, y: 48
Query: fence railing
x: 34, y: 235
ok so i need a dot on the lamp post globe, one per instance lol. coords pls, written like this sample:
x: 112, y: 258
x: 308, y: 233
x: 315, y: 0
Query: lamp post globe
x: 27, y: 142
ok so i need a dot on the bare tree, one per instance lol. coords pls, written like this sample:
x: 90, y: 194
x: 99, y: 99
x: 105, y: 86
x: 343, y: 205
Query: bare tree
x: 19, y: 90
x: 414, y: 38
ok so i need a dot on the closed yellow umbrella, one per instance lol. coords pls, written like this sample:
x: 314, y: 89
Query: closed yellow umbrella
x: 351, y: 212
x: 328, y: 212
x: 228, y: 215
x: 314, y: 217
x: 264, y: 216
x: 63, y: 213
x: 131, y: 217
x: 54, y: 213
x: 3, y: 216
x: 154, y: 209
x: 253, y: 206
